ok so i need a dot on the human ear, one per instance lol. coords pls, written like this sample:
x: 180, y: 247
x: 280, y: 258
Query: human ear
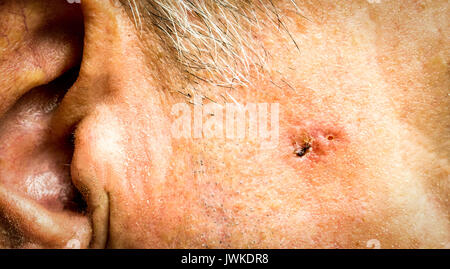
x: 41, y: 46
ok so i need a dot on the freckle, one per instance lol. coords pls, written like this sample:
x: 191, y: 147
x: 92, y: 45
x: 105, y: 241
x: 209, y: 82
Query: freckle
x: 330, y: 137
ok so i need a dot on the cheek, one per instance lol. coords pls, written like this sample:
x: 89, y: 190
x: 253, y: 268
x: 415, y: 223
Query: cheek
x: 166, y: 192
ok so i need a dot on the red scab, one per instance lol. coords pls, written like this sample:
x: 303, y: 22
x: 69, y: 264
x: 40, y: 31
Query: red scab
x: 314, y: 141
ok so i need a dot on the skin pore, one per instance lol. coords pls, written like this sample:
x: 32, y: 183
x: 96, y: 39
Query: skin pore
x: 362, y: 90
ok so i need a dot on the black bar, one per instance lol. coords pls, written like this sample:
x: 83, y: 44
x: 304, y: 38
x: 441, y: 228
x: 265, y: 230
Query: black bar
x: 226, y: 258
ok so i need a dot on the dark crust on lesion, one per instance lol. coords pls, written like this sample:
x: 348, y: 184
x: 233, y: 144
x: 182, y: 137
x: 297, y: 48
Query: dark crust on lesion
x: 302, y: 150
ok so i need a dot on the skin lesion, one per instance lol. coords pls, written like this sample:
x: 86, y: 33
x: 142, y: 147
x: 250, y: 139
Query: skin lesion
x: 314, y: 142
x: 302, y: 149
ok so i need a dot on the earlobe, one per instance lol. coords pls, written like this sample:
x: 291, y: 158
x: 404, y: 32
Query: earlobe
x: 37, y: 227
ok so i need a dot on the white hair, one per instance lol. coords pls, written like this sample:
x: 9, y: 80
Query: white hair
x: 214, y: 39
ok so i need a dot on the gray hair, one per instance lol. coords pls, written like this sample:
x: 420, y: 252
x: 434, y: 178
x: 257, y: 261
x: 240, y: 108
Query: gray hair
x: 214, y: 39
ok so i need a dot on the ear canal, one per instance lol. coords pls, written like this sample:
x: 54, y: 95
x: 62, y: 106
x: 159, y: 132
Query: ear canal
x: 39, y: 206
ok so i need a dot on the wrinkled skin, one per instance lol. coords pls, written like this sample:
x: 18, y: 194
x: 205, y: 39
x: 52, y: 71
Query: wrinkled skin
x: 369, y: 84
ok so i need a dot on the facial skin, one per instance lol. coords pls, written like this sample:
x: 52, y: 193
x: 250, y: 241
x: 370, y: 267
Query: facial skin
x: 367, y: 88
